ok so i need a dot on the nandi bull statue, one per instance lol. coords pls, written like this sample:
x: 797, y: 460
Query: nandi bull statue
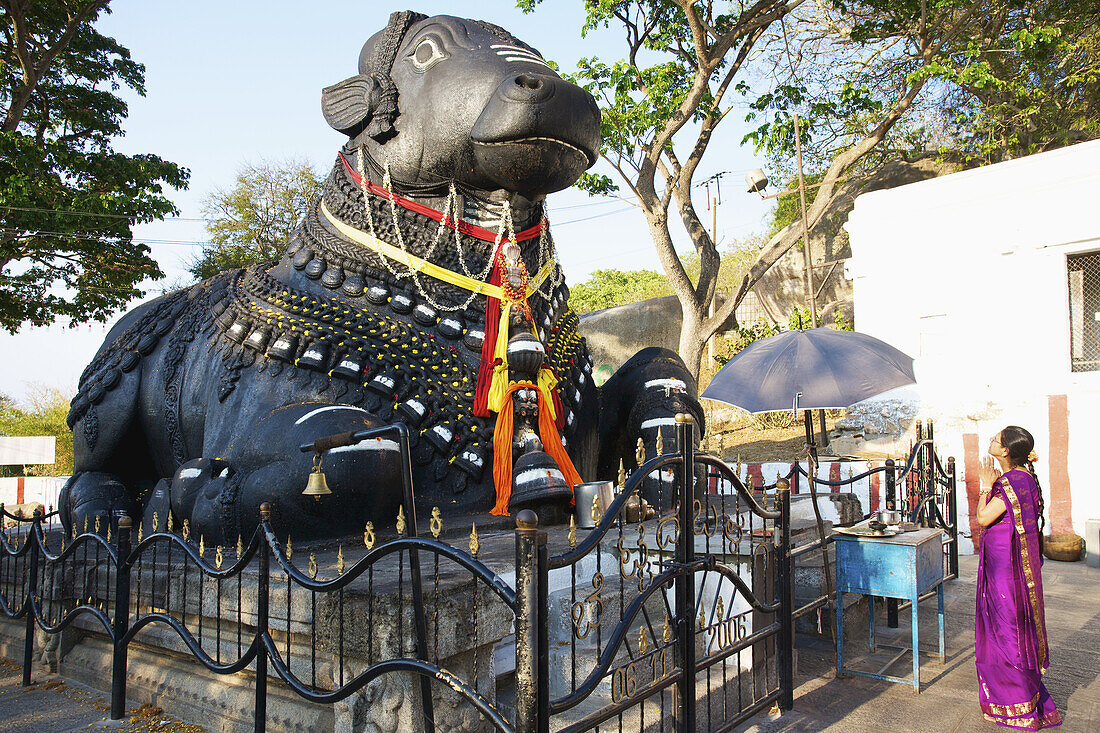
x: 422, y: 288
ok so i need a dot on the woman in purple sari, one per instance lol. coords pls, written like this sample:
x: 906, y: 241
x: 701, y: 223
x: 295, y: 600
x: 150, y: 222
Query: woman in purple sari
x: 1010, y: 643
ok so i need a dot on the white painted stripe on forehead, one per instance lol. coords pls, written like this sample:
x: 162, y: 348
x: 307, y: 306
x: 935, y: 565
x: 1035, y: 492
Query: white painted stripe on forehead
x: 510, y: 47
x: 528, y: 59
x: 319, y: 410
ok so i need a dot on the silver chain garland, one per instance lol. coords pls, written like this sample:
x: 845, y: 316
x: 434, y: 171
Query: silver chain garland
x: 547, y: 252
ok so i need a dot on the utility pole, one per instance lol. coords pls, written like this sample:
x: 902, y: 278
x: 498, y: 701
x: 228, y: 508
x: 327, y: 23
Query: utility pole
x: 808, y: 275
x: 713, y: 202
x: 806, y: 259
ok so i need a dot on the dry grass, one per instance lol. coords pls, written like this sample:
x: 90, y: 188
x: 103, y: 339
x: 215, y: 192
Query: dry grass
x: 758, y: 438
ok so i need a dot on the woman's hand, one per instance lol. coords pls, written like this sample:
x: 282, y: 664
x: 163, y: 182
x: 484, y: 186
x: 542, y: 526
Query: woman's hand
x: 988, y: 473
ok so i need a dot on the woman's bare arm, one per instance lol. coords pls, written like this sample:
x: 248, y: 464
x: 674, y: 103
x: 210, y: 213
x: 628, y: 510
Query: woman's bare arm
x: 989, y: 510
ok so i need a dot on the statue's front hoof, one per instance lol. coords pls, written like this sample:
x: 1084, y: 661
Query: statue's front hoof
x: 90, y: 495
x: 539, y: 484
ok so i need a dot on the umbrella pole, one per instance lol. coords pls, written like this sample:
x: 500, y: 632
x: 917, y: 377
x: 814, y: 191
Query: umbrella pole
x: 811, y: 450
x: 824, y: 432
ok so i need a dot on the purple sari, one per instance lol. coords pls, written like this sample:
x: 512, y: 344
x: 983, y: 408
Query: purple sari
x: 1010, y: 644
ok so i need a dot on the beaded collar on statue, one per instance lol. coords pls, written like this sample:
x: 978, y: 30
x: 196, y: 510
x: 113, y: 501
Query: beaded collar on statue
x: 473, y: 282
x: 415, y: 372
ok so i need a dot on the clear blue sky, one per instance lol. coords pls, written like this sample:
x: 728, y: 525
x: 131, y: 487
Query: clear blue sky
x: 239, y: 80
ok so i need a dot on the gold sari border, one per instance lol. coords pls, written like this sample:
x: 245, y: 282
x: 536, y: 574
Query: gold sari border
x: 1038, y: 617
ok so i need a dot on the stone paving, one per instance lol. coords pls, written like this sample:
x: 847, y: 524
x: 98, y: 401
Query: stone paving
x: 948, y: 699
x: 947, y: 702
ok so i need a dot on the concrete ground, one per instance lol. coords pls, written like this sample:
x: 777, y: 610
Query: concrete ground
x: 948, y: 701
x: 52, y: 705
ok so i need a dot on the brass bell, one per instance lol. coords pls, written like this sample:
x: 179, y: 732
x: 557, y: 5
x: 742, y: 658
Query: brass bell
x: 316, y: 486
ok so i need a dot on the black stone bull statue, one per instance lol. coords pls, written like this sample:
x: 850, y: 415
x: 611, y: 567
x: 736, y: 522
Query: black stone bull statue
x: 422, y: 288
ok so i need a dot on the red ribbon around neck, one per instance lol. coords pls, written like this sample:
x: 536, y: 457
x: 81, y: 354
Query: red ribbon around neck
x: 473, y: 230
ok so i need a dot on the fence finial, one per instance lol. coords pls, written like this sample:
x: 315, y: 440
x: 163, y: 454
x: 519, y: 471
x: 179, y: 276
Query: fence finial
x: 527, y: 519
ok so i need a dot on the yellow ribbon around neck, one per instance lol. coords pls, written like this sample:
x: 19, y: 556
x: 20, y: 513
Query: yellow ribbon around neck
x: 430, y: 269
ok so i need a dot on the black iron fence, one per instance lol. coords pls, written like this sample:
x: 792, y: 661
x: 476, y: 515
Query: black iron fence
x: 928, y: 498
x: 672, y: 613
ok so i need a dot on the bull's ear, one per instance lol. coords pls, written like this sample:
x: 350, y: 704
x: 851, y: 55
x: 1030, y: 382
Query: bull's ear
x: 349, y: 105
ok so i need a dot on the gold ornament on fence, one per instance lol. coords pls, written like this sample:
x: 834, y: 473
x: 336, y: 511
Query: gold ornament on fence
x: 401, y: 521
x: 639, y: 452
x: 436, y: 523
x: 108, y: 533
x: 340, y: 560
x: 170, y: 523
x: 643, y: 643
x: 97, y: 524
x: 218, y: 557
x: 313, y: 565
x: 202, y: 547
x: 240, y: 547
x: 156, y: 522
x: 572, y: 532
x: 186, y: 530
x: 666, y: 633
x: 702, y: 619
x: 622, y: 475
x: 660, y: 443
x: 289, y: 548
x: 368, y: 536
x: 597, y: 509
x: 141, y: 527
x: 475, y: 541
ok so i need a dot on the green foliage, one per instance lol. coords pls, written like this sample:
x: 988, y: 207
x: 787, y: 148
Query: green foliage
x: 45, y: 416
x: 1001, y: 79
x: 609, y: 288
x: 788, y: 207
x: 68, y: 200
x: 762, y: 329
x: 252, y: 221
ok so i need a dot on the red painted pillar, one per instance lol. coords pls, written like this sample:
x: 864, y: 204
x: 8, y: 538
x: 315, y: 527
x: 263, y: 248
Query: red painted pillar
x: 971, y: 461
x: 834, y: 475
x: 1060, y: 503
x: 873, y: 491
x: 756, y: 475
x: 20, y: 488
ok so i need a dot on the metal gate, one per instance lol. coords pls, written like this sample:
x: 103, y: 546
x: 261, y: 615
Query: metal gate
x: 679, y: 621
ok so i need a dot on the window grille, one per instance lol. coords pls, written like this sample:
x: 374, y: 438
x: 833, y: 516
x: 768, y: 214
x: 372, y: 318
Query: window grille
x: 1084, y: 311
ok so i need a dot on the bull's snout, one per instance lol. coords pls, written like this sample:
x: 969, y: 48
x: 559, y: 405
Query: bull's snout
x: 537, y: 133
x: 528, y: 88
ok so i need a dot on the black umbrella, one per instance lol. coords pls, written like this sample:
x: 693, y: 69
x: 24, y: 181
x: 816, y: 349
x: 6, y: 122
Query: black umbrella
x: 817, y: 368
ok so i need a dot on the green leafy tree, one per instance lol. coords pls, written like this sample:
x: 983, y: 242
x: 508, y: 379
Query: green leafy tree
x: 44, y: 416
x: 68, y: 200
x: 661, y: 104
x: 252, y: 221
x: 875, y: 81
x: 609, y: 288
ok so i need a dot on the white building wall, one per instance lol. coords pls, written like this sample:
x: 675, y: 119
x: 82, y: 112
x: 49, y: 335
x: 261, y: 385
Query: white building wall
x: 967, y: 273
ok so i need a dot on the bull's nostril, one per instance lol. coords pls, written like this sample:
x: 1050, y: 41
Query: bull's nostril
x: 528, y: 82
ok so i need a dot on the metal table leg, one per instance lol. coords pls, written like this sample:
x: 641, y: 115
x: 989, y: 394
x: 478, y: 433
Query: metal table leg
x: 871, y: 622
x: 916, y: 645
x: 943, y: 648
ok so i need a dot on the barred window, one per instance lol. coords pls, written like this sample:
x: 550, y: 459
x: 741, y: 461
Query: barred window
x: 1084, y: 311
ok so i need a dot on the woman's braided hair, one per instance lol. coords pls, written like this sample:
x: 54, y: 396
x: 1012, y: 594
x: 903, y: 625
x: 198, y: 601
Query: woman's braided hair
x: 1020, y: 446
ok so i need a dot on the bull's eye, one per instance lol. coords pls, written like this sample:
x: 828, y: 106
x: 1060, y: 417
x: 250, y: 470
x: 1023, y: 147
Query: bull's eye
x: 426, y: 54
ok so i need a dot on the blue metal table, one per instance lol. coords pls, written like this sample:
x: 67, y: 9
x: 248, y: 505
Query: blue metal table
x: 906, y: 566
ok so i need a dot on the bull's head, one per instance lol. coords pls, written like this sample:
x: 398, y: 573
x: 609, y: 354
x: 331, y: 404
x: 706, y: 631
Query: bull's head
x: 445, y: 98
